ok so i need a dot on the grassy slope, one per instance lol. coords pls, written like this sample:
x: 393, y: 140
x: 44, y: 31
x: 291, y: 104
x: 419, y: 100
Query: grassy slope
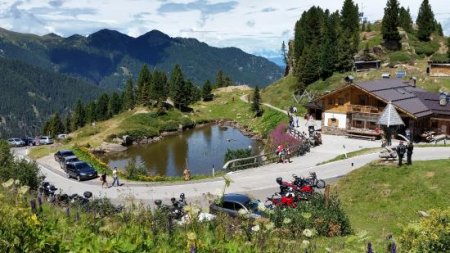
x: 381, y: 199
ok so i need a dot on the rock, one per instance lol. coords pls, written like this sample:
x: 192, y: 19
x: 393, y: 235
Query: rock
x: 117, y: 140
x: 143, y: 141
x: 112, y: 147
x: 423, y: 214
x: 156, y: 139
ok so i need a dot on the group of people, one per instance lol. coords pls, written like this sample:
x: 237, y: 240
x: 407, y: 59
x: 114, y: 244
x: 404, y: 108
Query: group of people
x: 402, y: 149
x: 115, y: 179
x: 284, y: 154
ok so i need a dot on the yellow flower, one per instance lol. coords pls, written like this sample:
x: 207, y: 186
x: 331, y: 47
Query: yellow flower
x: 35, y: 220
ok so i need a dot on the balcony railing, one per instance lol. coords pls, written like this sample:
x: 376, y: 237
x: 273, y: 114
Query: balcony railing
x: 363, y: 109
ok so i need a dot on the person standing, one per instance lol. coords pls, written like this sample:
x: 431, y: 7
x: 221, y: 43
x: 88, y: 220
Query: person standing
x: 401, y: 149
x: 288, y: 154
x: 103, y: 179
x: 115, y: 177
x: 409, y: 151
x: 408, y: 134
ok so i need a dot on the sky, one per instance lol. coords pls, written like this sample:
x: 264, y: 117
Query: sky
x: 255, y: 26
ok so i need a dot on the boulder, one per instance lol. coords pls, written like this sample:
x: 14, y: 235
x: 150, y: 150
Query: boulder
x: 112, y: 147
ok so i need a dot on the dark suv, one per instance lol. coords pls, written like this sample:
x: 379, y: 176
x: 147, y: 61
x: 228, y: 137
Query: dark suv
x: 80, y: 171
x: 63, y: 153
x: 232, y: 203
x: 66, y: 160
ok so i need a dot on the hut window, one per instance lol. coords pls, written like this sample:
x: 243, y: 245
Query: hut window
x: 358, y: 124
x: 340, y: 101
x: 330, y: 101
x: 362, y: 99
x: 333, y: 122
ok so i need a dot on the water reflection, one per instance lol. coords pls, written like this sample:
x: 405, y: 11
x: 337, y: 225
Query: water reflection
x: 200, y: 149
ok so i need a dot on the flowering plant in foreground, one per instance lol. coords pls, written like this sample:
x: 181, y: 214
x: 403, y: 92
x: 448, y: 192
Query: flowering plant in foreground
x: 279, y: 136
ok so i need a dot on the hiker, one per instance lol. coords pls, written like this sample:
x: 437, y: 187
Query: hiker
x: 409, y: 151
x: 408, y: 134
x: 288, y: 154
x: 296, y: 120
x: 115, y: 177
x: 187, y: 174
x: 401, y: 150
x: 103, y: 179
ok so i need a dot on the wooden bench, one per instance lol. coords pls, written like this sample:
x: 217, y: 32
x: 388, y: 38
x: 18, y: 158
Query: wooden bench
x: 364, y: 137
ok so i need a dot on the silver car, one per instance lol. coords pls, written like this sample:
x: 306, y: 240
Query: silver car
x: 16, y: 142
x: 45, y: 140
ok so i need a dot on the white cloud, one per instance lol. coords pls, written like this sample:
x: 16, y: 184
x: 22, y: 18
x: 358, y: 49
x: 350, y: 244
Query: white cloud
x: 256, y: 26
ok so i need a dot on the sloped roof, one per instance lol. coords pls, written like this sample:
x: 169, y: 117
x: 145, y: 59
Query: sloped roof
x: 431, y: 100
x: 401, y: 93
x: 390, y: 117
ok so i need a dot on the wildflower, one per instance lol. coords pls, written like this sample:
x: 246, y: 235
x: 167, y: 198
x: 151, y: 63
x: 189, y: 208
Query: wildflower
x: 261, y: 207
x: 17, y: 182
x: 34, y: 219
x: 305, y: 244
x: 287, y: 221
x: 308, y: 233
x: 306, y: 215
x: 24, y: 189
x: 242, y: 212
x: 192, y: 236
x: 8, y: 183
x: 255, y: 228
x: 269, y: 226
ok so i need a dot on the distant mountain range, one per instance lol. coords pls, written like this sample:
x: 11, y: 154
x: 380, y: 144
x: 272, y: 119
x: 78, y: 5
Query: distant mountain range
x: 107, y: 58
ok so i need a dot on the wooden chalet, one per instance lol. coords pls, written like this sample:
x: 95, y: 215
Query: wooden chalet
x: 438, y: 69
x: 366, y: 65
x: 356, y: 107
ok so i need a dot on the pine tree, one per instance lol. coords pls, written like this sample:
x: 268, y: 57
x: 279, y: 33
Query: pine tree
x: 345, y: 53
x: 68, y: 124
x: 220, y: 79
x: 256, y: 105
x: 102, y: 111
x: 129, y: 96
x: 425, y: 21
x: 405, y: 20
x: 54, y: 126
x: 143, y: 84
x: 79, y: 116
x: 284, y: 53
x: 389, y: 25
x: 439, y: 30
x: 206, y: 91
x: 350, y: 22
x: 328, y: 48
x: 91, y: 113
x: 179, y: 92
x: 369, y: 27
x: 309, y: 66
x: 159, y: 87
x: 115, y: 104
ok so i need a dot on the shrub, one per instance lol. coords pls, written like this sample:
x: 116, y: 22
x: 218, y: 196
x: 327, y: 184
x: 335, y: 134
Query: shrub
x: 169, y: 126
x: 133, y: 170
x: 83, y: 154
x: 430, y: 234
x: 279, y: 136
x: 400, y: 57
x: 139, y: 133
x: 426, y: 48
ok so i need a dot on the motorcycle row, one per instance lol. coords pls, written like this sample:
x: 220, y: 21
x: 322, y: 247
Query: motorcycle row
x: 48, y: 192
x: 294, y: 192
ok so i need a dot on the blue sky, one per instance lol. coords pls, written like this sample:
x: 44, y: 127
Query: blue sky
x: 256, y: 26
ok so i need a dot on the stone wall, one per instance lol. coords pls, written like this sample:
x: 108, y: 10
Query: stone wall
x: 333, y: 130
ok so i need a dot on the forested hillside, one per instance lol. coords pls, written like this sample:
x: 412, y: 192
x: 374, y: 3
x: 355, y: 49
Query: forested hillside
x: 108, y: 58
x: 30, y: 94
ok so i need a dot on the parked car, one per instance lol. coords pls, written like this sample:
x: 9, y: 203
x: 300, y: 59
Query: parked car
x: 61, y: 136
x: 16, y: 142
x: 29, y: 141
x: 63, y: 153
x: 66, y: 160
x: 232, y: 203
x: 81, y: 171
x: 45, y: 140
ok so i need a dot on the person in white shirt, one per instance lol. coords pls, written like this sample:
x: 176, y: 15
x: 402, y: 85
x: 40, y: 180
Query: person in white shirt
x: 115, y: 177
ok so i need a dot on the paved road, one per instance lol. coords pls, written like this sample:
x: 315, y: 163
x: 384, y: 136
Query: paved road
x: 259, y: 182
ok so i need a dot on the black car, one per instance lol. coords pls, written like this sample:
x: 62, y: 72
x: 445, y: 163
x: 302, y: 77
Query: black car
x: 68, y: 159
x: 232, y: 203
x: 80, y: 171
x: 29, y: 141
x: 63, y: 153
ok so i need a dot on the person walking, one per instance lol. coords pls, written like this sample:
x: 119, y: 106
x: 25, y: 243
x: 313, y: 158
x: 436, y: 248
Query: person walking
x: 288, y: 154
x: 103, y: 179
x: 409, y: 151
x: 115, y: 177
x: 401, y: 149
x: 296, y: 120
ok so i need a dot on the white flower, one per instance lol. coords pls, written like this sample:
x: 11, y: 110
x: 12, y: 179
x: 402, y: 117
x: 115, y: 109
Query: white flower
x: 287, y: 221
x: 305, y: 244
x: 8, y: 183
x: 17, y: 182
x: 269, y: 226
x: 242, y: 212
x: 308, y: 233
x: 24, y: 189
x: 255, y: 228
x: 261, y: 207
x: 306, y: 215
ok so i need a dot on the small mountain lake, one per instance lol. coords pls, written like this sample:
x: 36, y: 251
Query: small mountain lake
x: 202, y: 148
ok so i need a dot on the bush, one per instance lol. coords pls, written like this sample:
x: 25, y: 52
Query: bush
x: 169, y: 126
x: 279, y: 136
x: 134, y: 171
x: 430, y: 234
x: 400, y: 57
x: 83, y: 154
x: 139, y: 133
x: 426, y: 48
x: 236, y: 154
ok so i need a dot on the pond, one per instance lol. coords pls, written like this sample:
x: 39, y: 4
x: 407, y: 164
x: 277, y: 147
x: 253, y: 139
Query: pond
x: 201, y: 148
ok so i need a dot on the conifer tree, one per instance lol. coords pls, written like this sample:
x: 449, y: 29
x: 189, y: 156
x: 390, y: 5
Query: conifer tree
x: 102, y: 107
x: 179, y: 92
x: 345, y: 52
x: 389, y: 25
x: 405, y: 20
x: 54, y: 126
x: 68, y: 124
x: 309, y: 71
x: 220, y: 79
x: 206, y: 91
x: 425, y: 21
x: 439, y: 30
x: 129, y: 96
x: 350, y: 22
x: 79, y: 116
x: 91, y: 113
x: 328, y: 48
x: 143, y: 85
x: 159, y: 87
x: 256, y: 104
x: 284, y: 53
x: 115, y: 104
x: 369, y: 27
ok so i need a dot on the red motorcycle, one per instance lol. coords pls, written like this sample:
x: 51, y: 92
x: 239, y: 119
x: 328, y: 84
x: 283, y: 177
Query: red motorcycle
x: 281, y: 201
x: 299, y: 186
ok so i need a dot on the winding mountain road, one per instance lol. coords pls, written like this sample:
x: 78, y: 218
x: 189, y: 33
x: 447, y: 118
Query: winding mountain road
x: 259, y: 182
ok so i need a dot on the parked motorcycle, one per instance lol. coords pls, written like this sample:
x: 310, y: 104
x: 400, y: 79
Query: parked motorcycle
x: 299, y: 187
x: 281, y: 201
x: 314, y: 181
x: 48, y: 190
